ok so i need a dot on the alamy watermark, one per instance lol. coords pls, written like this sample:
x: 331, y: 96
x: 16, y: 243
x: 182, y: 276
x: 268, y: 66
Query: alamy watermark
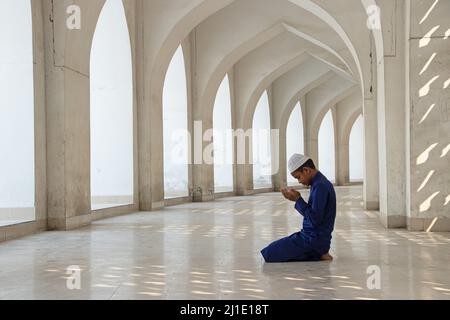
x: 73, y: 281
x: 213, y: 146
x: 73, y: 21
x: 374, y: 278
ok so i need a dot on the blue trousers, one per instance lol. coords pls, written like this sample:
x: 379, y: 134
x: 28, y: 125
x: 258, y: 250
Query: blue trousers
x: 291, y: 248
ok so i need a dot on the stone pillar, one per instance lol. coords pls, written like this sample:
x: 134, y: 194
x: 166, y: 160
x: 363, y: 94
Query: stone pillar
x: 370, y: 169
x: 201, y: 125
x: 243, y: 156
x: 280, y: 177
x: 312, y: 148
x: 68, y: 115
x: 278, y: 126
x: 202, y: 168
x: 391, y: 116
x: 342, y: 150
x: 336, y: 146
x: 243, y: 160
x: 343, y: 172
x: 150, y: 120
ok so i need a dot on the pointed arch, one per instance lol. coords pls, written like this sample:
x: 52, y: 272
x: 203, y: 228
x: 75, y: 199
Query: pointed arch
x: 294, y: 138
x: 223, y: 139
x: 327, y: 151
x: 261, y: 141
x: 111, y: 110
x: 175, y: 128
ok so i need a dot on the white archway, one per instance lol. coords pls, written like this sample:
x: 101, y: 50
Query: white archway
x: 327, y: 152
x: 261, y: 141
x: 294, y: 138
x: 175, y: 128
x: 111, y: 82
x: 223, y: 139
x: 17, y: 163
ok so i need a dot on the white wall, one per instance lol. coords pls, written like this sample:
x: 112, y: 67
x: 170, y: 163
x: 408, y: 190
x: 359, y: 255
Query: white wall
x: 294, y: 138
x: 327, y: 152
x: 356, y: 150
x: 175, y: 123
x: 223, y: 139
x: 111, y: 105
x: 17, y: 175
x: 262, y: 164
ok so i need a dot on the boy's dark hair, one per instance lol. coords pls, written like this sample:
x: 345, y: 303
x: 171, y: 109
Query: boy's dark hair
x: 307, y: 164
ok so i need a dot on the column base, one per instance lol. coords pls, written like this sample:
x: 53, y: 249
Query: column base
x: 243, y: 193
x: 393, y: 221
x: 204, y: 198
x: 436, y: 224
x: 65, y: 224
x: 156, y: 205
x: 372, y: 205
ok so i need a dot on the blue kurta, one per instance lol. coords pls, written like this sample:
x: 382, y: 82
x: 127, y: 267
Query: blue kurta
x: 314, y: 239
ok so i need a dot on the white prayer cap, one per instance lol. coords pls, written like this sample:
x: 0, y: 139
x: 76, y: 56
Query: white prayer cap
x: 296, y: 161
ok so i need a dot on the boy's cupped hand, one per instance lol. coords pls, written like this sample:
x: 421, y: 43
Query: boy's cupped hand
x: 291, y: 194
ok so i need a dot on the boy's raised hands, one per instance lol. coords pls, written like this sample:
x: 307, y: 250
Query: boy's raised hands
x: 291, y: 194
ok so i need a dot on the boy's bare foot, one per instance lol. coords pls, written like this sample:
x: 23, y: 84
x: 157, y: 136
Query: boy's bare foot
x: 326, y: 257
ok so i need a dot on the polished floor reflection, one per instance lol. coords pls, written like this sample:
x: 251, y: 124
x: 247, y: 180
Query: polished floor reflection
x: 211, y: 251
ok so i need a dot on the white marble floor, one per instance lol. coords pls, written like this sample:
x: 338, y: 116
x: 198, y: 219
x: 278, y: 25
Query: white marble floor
x: 211, y: 251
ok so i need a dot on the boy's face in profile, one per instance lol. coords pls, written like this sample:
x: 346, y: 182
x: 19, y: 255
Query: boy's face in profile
x: 304, y: 176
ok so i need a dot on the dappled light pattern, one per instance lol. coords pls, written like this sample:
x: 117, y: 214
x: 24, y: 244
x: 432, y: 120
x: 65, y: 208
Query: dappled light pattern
x: 423, y: 157
x: 430, y: 109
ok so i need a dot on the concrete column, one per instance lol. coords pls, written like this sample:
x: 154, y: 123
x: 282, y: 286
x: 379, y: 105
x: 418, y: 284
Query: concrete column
x: 391, y: 119
x: 244, y: 172
x: 311, y: 145
x: 242, y: 147
x: 233, y: 124
x: 336, y: 145
x: 67, y: 115
x: 243, y: 158
x: 370, y: 169
x: 201, y: 130
x: 150, y: 119
x: 278, y: 127
x: 312, y: 148
x: 280, y: 178
x: 342, y: 150
x: 202, y: 171
x: 144, y: 112
x: 343, y: 170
